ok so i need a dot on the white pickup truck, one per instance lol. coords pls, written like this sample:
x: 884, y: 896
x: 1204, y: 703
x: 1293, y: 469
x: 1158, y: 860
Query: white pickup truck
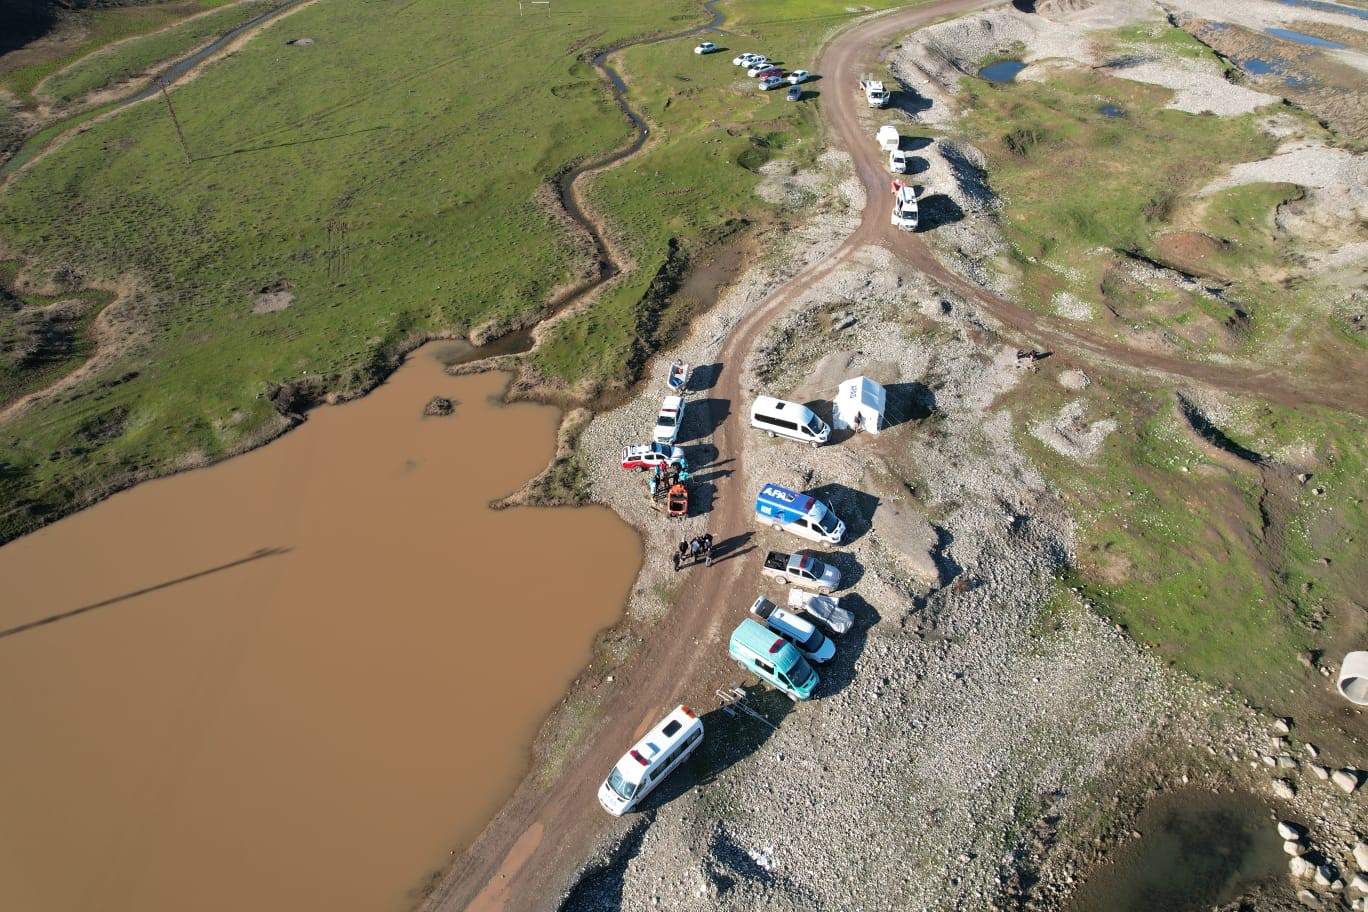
x: 802, y: 570
x: 876, y: 96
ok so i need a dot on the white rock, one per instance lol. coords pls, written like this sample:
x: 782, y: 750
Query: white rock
x: 1282, y: 726
x: 1307, y: 898
x: 1283, y: 788
x: 1361, y: 855
x: 1292, y: 847
x: 1300, y: 867
x: 1324, y: 875
x: 1360, y: 883
x: 1286, y: 762
x: 1347, y: 779
x: 1289, y: 830
x: 1311, y: 750
x: 1320, y: 772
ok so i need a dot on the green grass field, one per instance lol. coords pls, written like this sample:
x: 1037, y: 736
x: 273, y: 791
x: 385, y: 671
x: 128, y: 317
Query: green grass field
x: 103, y: 27
x: 137, y: 56
x: 387, y: 177
x: 1139, y: 202
x: 1198, y: 560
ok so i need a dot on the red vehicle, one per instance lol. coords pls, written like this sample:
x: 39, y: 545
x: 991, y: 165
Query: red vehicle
x: 643, y: 456
x: 767, y: 73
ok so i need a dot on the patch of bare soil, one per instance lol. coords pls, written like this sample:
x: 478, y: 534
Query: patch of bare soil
x: 274, y: 297
x: 1191, y: 251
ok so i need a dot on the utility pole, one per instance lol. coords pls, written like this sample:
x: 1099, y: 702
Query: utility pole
x: 175, y: 120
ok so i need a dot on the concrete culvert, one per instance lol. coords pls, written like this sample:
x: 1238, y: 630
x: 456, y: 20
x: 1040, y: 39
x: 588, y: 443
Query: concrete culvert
x: 1353, y: 678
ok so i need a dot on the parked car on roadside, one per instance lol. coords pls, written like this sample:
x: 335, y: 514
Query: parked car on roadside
x: 798, y: 76
x: 794, y: 94
x: 643, y: 456
x: 744, y: 59
x: 771, y: 82
x: 706, y: 47
x: 761, y: 69
x: 669, y: 419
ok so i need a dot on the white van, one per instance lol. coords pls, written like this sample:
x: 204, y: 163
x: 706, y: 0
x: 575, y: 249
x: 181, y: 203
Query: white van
x: 788, y: 419
x: 650, y: 760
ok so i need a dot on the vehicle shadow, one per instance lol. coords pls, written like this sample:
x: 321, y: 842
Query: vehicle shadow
x: 703, y: 417
x: 916, y: 164
x: 914, y: 143
x: 728, y: 739
x: 909, y: 102
x: 704, y: 377
x: 839, y: 673
x: 907, y: 402
x: 856, y: 508
x: 937, y: 210
x: 600, y: 885
x: 851, y: 569
x: 701, y: 495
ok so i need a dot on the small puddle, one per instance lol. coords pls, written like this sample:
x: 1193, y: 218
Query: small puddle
x: 297, y: 679
x: 1198, y: 850
x: 1005, y: 71
x: 1327, y: 7
x: 1303, y: 39
x: 1111, y: 110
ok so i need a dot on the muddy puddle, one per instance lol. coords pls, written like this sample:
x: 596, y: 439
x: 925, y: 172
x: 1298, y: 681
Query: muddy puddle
x: 299, y: 679
x: 1197, y: 850
x: 1006, y: 71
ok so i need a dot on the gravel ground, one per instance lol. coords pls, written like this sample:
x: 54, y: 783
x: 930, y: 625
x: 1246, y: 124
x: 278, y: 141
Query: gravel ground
x: 982, y: 736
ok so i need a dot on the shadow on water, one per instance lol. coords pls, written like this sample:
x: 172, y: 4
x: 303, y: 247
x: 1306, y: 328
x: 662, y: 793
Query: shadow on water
x: 1197, y: 850
x: 128, y: 596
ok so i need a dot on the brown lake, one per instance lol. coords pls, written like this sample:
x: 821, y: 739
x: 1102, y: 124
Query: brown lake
x: 306, y: 675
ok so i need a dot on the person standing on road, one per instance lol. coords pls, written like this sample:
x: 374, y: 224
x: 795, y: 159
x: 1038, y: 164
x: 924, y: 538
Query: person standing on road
x: 707, y: 549
x: 695, y: 548
x: 676, y: 561
x: 683, y: 551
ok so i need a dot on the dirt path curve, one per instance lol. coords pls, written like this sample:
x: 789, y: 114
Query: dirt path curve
x: 1337, y: 385
x: 525, y: 858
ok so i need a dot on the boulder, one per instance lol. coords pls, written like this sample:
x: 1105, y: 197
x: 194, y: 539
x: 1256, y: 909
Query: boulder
x: 1286, y: 762
x: 1361, y: 856
x: 1325, y: 875
x: 1289, y: 830
x: 1320, y: 772
x: 1347, y: 778
x: 1307, y: 898
x: 1282, y: 726
x: 1294, y: 848
x: 1359, y: 883
x: 1283, y: 788
x: 1300, y: 867
x: 1311, y: 750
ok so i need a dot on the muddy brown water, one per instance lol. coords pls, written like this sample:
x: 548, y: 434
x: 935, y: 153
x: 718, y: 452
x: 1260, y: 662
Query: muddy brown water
x: 303, y: 676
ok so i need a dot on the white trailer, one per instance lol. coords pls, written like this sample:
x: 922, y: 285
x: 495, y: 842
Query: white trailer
x: 888, y: 137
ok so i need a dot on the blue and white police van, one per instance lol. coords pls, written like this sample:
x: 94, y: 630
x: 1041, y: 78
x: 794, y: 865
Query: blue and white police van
x: 801, y: 514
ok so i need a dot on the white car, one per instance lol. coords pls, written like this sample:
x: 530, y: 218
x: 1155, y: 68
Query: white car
x: 771, y: 82
x: 744, y: 59
x: 798, y: 76
x: 757, y: 67
x: 668, y: 421
x: 706, y: 47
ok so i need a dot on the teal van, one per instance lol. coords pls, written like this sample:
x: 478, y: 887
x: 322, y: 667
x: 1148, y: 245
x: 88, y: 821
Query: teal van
x: 771, y: 658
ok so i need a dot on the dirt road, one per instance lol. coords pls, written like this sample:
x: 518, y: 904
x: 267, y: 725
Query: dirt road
x: 526, y: 857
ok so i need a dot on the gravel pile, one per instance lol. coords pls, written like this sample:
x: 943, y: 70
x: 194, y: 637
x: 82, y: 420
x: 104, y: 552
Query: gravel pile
x: 956, y: 709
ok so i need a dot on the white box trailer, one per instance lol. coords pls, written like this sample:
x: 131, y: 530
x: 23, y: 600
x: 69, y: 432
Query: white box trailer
x: 888, y: 137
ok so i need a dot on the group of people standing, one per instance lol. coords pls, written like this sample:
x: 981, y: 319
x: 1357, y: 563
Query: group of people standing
x: 693, y: 549
x: 664, y: 479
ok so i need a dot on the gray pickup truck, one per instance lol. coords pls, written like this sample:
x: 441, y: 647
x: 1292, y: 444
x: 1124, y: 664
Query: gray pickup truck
x: 802, y: 569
